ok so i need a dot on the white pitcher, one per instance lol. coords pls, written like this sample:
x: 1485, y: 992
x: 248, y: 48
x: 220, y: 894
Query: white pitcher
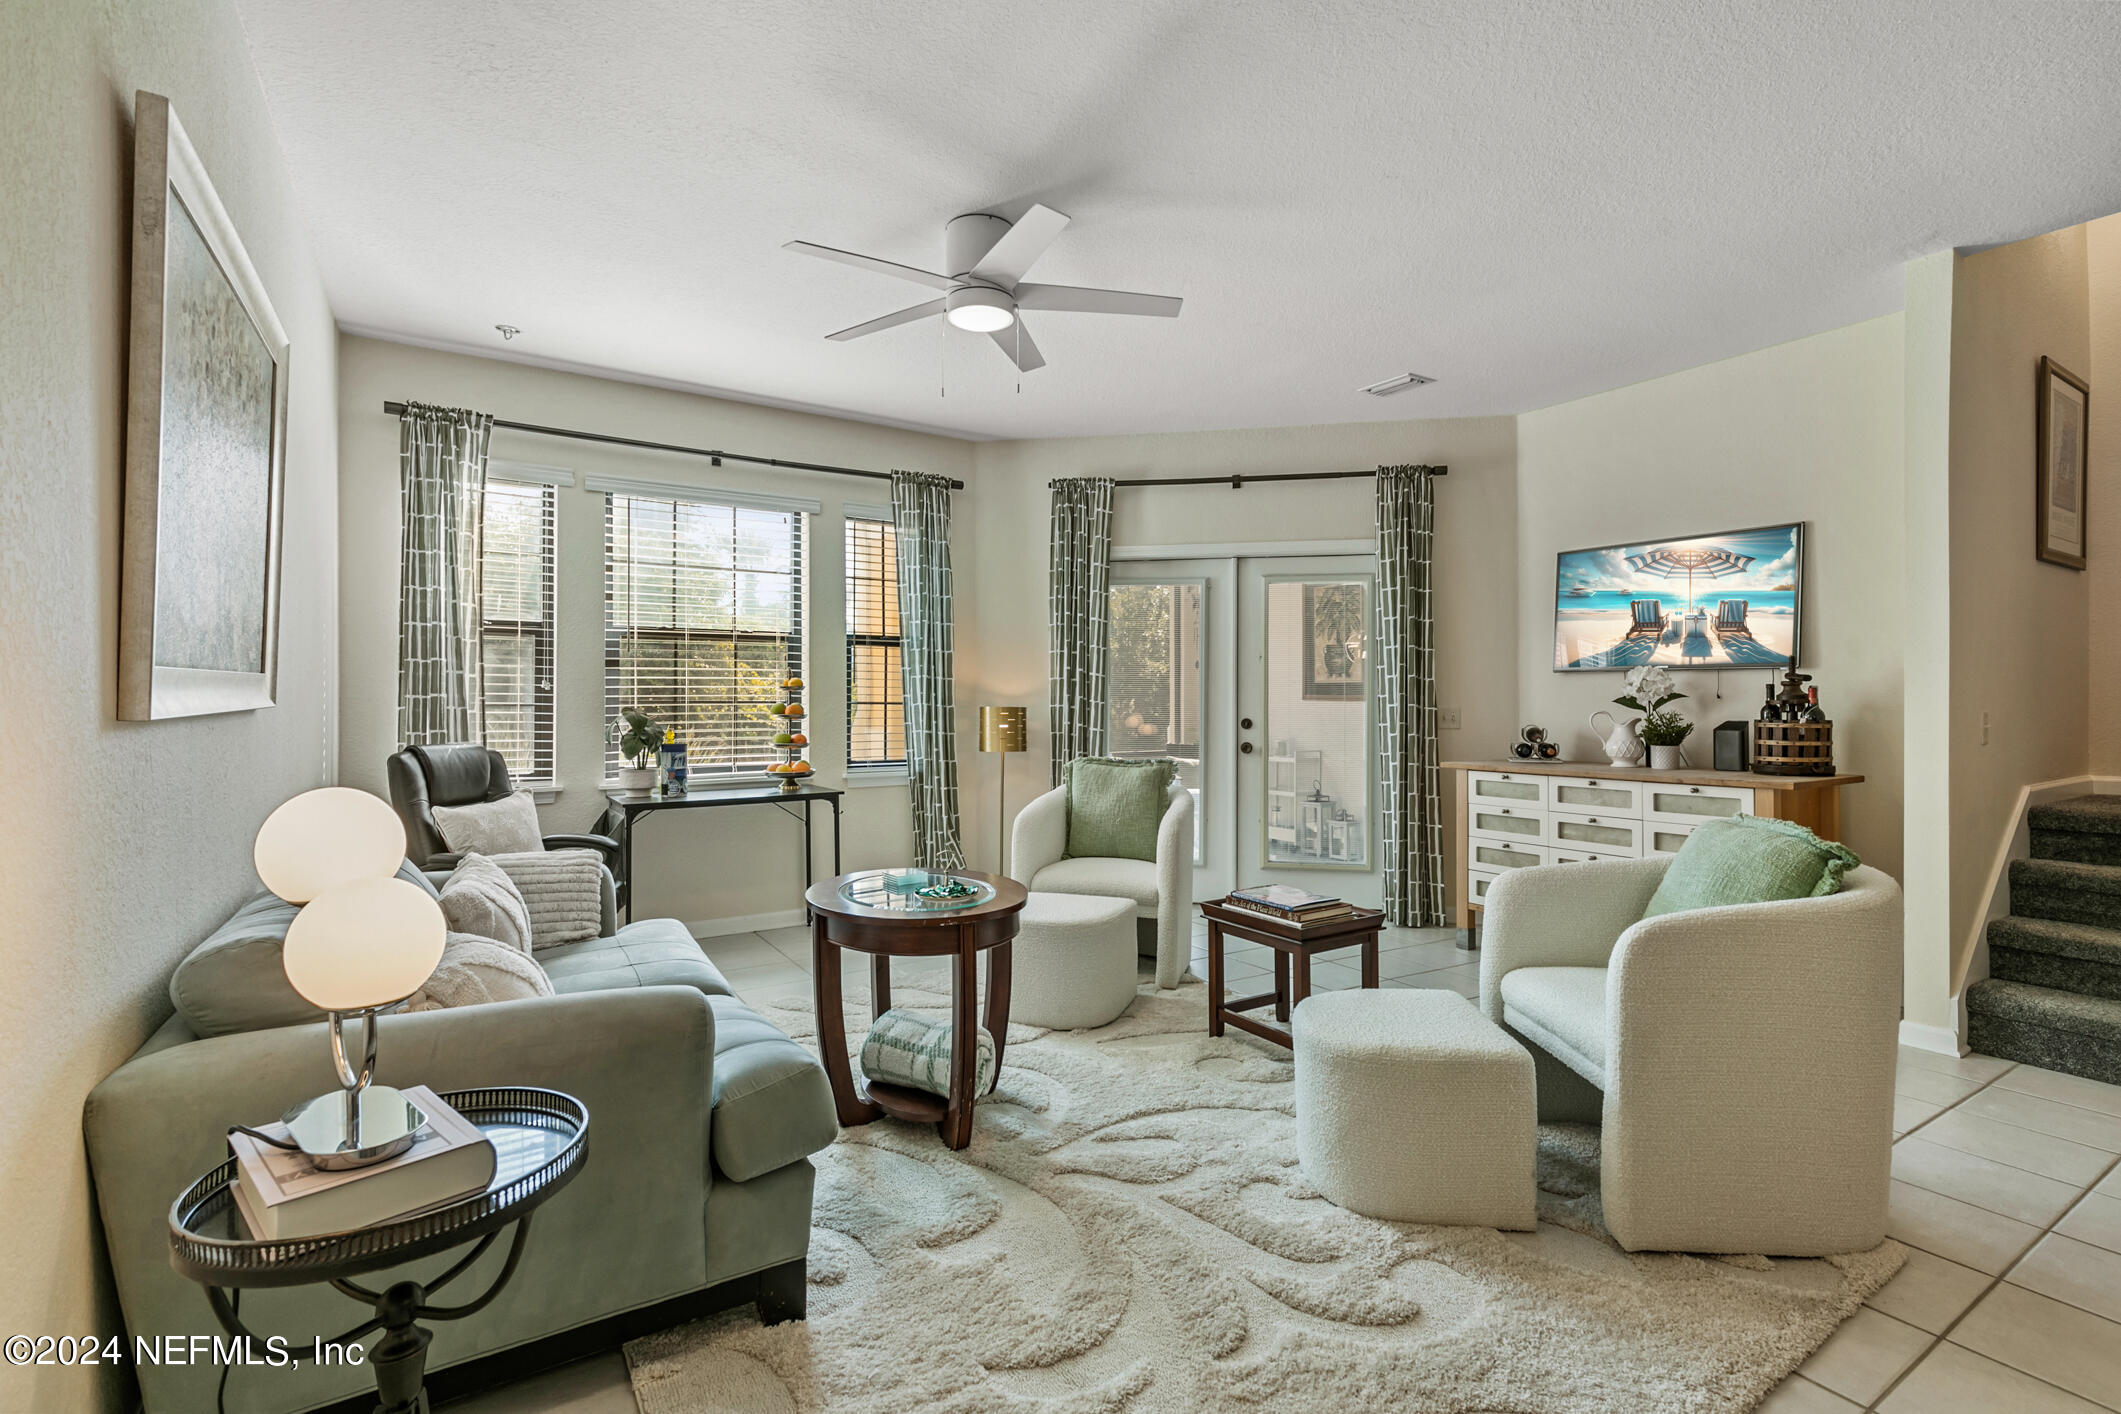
x: 1623, y: 740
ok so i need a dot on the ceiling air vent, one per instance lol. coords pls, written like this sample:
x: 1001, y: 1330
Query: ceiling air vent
x: 1397, y: 385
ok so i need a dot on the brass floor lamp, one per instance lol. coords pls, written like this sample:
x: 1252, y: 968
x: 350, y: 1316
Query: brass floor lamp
x: 1002, y: 729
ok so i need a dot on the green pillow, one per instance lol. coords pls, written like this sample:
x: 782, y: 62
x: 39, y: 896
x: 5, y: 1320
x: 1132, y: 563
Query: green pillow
x: 1114, y: 807
x: 1748, y: 859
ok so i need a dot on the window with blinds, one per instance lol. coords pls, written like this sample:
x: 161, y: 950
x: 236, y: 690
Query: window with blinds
x: 703, y: 623
x: 876, y: 693
x: 516, y: 582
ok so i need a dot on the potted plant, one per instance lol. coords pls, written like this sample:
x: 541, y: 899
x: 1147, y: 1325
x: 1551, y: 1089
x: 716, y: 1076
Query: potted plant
x: 1663, y: 731
x: 638, y: 736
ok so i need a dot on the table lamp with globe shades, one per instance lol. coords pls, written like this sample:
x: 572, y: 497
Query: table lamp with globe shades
x: 364, y: 941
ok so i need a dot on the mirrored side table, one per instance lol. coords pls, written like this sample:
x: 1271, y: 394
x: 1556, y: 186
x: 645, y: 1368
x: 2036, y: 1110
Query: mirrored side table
x: 540, y: 1139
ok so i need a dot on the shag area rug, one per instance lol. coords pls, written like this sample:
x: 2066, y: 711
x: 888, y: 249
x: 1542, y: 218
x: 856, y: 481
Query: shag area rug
x: 1129, y: 1231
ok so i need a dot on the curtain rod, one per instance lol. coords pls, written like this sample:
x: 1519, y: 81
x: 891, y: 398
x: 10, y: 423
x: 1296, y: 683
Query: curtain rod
x: 718, y: 456
x: 1237, y: 482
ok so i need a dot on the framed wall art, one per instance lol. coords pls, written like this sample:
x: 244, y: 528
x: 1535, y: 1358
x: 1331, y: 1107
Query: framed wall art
x: 2064, y: 417
x: 205, y: 447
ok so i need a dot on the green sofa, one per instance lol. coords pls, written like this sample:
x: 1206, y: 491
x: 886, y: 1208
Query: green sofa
x: 695, y: 1194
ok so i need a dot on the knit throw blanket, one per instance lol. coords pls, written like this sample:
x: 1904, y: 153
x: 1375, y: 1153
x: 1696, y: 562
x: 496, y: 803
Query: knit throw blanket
x: 563, y: 891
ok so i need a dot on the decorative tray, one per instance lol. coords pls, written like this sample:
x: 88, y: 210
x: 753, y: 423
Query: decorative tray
x: 915, y: 890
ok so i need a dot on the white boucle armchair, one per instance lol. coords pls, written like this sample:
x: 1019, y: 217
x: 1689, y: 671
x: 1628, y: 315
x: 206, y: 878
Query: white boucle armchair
x: 1740, y: 1060
x: 1161, y: 889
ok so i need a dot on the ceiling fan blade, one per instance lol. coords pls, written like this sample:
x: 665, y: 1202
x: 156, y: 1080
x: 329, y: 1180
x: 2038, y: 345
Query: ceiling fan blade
x: 1022, y: 352
x: 870, y: 262
x: 1080, y: 299
x: 890, y: 321
x: 1007, y: 260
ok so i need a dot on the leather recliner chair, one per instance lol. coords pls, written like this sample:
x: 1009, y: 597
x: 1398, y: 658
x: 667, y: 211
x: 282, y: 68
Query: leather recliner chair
x: 461, y: 773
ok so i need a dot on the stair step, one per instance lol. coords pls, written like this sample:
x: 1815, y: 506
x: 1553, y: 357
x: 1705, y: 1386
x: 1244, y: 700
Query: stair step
x: 2089, y: 814
x: 2055, y: 1030
x: 2067, y: 891
x: 2068, y: 957
x: 2084, y: 829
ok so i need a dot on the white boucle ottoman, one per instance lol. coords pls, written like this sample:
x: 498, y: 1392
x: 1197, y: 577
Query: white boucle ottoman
x: 1073, y: 962
x: 1412, y: 1106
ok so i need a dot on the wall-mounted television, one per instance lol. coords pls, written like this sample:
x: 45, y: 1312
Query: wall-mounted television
x: 1734, y: 600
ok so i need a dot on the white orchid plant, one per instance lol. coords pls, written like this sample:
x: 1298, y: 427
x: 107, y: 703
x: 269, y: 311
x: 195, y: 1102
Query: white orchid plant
x: 1649, y: 689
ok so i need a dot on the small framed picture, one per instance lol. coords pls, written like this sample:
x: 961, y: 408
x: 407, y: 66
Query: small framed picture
x: 2065, y: 406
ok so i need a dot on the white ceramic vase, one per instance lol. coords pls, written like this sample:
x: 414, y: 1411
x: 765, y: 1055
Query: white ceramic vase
x: 1623, y: 740
x: 1667, y: 758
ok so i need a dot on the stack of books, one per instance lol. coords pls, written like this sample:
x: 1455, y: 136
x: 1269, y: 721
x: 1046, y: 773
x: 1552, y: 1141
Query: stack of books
x: 1285, y: 903
x: 282, y: 1195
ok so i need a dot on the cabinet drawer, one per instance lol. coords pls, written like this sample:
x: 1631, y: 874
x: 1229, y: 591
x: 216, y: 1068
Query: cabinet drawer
x: 1565, y: 854
x: 1693, y: 805
x: 1491, y: 856
x: 1597, y: 834
x: 1664, y: 839
x: 1588, y: 795
x: 1506, y: 788
x: 1509, y: 823
x: 1477, y: 881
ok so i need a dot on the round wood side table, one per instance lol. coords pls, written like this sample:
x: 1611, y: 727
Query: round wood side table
x: 856, y: 912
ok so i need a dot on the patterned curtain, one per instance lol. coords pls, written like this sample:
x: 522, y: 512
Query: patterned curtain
x: 1405, y: 661
x: 1078, y: 614
x: 920, y: 513
x: 442, y: 454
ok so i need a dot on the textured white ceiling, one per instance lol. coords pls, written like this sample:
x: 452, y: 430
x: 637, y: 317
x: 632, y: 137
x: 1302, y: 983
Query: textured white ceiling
x: 1529, y: 201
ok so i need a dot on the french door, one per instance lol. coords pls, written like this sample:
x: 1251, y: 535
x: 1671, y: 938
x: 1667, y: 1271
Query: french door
x: 1252, y: 674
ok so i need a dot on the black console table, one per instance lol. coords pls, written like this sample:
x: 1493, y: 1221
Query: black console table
x: 630, y: 805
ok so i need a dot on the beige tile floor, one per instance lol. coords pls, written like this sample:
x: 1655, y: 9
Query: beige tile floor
x: 2006, y: 1190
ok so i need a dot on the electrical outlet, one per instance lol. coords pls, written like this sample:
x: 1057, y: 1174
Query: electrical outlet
x: 1447, y: 718
x: 1984, y: 729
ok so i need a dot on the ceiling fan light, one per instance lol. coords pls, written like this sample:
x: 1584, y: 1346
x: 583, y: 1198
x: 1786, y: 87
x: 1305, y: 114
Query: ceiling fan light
x: 979, y: 310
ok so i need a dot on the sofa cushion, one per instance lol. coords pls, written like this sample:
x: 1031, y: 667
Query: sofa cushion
x: 1114, y: 807
x: 1115, y: 878
x: 655, y: 952
x: 234, y: 980
x: 1562, y: 1010
x: 772, y: 1103
x: 1749, y: 859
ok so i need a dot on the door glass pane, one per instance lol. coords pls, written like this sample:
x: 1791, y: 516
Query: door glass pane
x: 1153, y: 683
x: 1318, y: 721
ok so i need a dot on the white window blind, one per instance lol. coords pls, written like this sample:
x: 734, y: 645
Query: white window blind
x: 516, y: 582
x: 703, y: 615
x: 876, y: 693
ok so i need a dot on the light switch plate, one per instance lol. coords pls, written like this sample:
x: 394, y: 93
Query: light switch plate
x: 1447, y: 718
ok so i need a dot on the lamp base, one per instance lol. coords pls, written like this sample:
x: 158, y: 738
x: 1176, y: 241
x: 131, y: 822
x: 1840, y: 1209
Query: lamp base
x: 350, y: 1129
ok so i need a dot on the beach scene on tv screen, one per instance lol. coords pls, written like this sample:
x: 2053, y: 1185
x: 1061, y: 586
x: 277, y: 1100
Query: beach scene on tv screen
x: 1714, y: 601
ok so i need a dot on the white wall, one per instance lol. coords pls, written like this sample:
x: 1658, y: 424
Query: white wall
x: 2103, y: 543
x: 131, y: 840
x: 1002, y: 623
x: 1806, y: 431
x: 2020, y: 627
x: 705, y: 867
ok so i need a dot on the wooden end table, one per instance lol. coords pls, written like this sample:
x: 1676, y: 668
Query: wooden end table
x: 1294, y: 947
x: 898, y: 927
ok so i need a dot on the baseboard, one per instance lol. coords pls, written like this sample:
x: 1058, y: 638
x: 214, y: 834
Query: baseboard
x: 1942, y: 1039
x: 747, y: 923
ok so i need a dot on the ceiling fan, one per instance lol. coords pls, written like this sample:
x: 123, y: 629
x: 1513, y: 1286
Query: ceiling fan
x: 985, y: 291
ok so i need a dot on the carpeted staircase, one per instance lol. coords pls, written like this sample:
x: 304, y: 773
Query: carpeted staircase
x: 2053, y: 994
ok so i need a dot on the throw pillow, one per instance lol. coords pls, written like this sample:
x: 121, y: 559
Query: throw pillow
x: 905, y: 1048
x: 474, y: 971
x: 563, y: 890
x: 480, y: 899
x: 505, y: 826
x: 1114, y: 807
x: 1747, y: 859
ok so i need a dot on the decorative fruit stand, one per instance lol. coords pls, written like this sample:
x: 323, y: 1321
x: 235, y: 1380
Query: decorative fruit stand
x: 789, y: 741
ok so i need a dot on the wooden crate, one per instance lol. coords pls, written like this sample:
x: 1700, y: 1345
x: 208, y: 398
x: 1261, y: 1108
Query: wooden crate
x: 1793, y: 748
